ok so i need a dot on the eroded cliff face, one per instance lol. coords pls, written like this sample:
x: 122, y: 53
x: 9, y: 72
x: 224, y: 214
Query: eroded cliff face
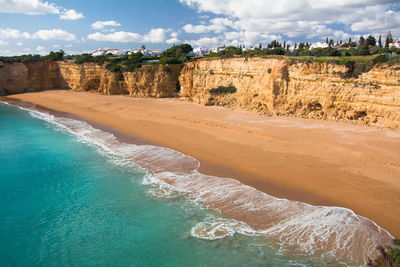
x: 149, y: 81
x: 29, y: 77
x: 272, y: 86
x: 309, y: 90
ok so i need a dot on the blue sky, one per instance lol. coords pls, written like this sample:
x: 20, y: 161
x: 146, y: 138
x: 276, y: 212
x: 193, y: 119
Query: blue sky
x: 38, y: 26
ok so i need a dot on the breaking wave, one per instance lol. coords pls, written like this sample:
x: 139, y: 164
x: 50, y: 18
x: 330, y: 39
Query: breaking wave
x: 297, y: 228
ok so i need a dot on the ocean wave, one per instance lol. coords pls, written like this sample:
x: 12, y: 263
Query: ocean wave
x: 296, y: 227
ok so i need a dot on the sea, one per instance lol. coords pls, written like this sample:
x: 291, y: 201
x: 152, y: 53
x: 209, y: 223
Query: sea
x: 73, y: 194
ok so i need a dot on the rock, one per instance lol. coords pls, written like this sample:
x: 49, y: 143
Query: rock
x: 311, y: 90
x: 152, y: 81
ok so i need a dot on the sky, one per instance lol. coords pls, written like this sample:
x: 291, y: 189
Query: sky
x: 81, y: 26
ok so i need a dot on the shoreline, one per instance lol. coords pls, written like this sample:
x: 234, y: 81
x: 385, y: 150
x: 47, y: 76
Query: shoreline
x: 228, y: 139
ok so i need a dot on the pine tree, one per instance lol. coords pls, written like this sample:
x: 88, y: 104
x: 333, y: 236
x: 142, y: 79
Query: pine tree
x: 327, y: 41
x: 380, y: 41
x: 370, y: 40
x: 361, y: 41
x: 389, y: 39
x: 364, y: 50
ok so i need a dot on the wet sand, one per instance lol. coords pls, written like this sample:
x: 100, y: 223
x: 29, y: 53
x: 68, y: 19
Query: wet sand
x: 318, y: 162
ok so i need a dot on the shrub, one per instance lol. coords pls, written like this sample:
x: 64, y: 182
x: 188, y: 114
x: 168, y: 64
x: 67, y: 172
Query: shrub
x: 223, y: 90
x: 169, y: 60
x: 389, y: 256
x: 113, y: 67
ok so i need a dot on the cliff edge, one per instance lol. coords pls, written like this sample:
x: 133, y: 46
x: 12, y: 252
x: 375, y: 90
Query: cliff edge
x: 149, y: 81
x: 309, y: 90
x: 271, y: 86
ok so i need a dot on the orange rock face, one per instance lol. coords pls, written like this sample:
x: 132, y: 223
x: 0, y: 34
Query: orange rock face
x: 152, y: 81
x: 272, y: 86
x: 308, y: 90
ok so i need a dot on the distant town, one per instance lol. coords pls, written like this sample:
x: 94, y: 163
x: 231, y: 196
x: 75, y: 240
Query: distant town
x: 201, y: 52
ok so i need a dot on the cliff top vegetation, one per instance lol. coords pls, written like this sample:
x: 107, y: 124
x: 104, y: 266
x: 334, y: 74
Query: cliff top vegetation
x: 367, y: 51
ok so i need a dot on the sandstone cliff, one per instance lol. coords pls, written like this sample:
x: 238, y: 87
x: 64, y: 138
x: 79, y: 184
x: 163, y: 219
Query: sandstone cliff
x: 309, y: 90
x: 272, y: 86
x: 149, y: 81
x: 29, y: 77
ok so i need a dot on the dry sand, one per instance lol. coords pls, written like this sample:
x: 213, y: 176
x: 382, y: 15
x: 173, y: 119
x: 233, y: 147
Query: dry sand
x: 318, y: 162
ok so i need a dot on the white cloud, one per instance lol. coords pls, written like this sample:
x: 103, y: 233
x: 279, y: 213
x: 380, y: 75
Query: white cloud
x: 173, y: 40
x: 300, y: 18
x: 101, y: 24
x: 9, y: 33
x: 68, y: 45
x: 71, y: 15
x: 3, y: 43
x: 205, y: 42
x: 55, y: 34
x: 154, y: 36
x: 20, y: 44
x: 38, y: 7
x: 124, y: 37
x: 216, y: 25
x: 40, y: 48
x: 56, y: 46
x: 245, y: 38
x: 29, y: 7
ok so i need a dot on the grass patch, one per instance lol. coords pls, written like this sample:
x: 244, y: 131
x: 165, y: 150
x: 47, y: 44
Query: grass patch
x: 223, y: 90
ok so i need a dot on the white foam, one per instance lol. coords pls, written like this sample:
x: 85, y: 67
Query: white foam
x: 326, y: 231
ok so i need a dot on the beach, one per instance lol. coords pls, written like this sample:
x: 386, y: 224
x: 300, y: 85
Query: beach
x: 316, y: 162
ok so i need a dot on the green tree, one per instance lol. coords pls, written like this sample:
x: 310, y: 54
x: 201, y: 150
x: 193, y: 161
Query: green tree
x: 364, y: 50
x: 370, y: 40
x: 389, y: 39
x: 274, y: 44
x: 361, y: 41
x: 55, y: 55
x: 230, y: 51
x: 177, y: 51
x: 380, y: 41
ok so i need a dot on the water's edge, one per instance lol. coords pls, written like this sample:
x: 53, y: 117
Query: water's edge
x: 294, y: 226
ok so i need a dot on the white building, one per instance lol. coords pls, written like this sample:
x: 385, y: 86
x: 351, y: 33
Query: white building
x: 156, y: 53
x: 217, y: 49
x: 115, y: 52
x: 395, y: 44
x: 99, y: 53
x: 200, y: 52
x: 319, y: 45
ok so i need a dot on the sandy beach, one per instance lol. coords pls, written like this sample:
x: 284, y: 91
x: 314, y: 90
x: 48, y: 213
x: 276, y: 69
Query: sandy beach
x: 317, y: 162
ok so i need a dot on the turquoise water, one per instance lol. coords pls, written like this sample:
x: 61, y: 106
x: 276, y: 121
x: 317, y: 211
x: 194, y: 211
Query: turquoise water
x: 66, y: 202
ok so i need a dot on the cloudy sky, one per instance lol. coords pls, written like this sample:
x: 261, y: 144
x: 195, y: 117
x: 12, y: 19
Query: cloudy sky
x: 76, y: 26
